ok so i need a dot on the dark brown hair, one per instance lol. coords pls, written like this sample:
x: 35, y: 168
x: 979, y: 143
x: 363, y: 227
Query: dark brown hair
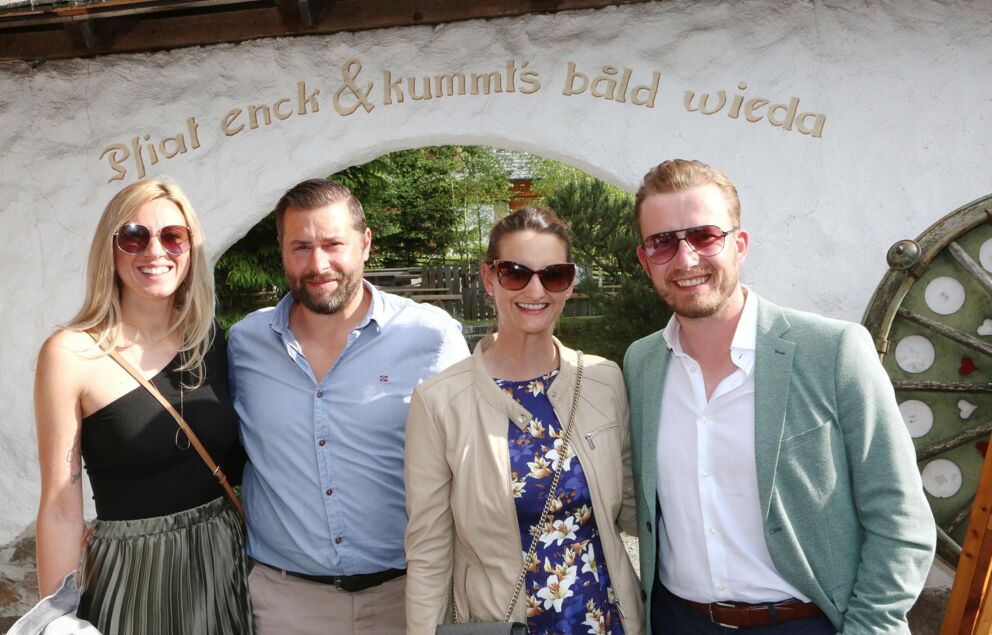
x: 538, y: 219
x: 316, y: 193
x: 677, y: 175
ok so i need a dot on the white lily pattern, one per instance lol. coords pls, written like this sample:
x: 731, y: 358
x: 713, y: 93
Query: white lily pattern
x: 567, y: 585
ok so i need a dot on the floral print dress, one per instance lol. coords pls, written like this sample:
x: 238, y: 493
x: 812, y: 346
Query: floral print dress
x: 567, y: 588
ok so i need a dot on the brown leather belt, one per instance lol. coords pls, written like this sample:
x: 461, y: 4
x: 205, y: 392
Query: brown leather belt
x: 737, y: 615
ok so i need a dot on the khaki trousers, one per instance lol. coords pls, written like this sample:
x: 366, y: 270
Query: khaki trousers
x: 283, y: 605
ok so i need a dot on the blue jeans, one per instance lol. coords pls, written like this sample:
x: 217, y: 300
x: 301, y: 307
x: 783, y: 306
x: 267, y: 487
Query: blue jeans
x: 671, y: 617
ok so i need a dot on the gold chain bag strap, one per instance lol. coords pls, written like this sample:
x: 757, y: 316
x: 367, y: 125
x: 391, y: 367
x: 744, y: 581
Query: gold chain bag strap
x: 536, y: 529
x: 194, y: 441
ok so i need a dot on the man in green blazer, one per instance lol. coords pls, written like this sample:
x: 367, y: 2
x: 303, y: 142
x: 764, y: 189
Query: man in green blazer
x: 777, y: 487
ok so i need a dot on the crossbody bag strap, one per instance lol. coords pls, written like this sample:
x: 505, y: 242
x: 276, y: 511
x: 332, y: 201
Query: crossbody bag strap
x: 193, y: 439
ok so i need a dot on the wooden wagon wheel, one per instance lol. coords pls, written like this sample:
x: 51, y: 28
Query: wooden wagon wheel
x: 931, y: 317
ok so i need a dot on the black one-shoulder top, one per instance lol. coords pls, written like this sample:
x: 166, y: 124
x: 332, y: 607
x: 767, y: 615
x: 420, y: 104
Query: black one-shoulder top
x: 137, y: 464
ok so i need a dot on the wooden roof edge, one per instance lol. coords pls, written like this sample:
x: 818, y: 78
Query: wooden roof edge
x: 51, y: 12
x: 134, y: 26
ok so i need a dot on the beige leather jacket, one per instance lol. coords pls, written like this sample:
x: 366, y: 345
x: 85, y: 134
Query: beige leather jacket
x: 463, y: 523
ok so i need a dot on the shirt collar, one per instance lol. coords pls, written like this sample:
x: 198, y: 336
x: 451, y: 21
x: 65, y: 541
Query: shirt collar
x: 742, y: 347
x: 671, y: 335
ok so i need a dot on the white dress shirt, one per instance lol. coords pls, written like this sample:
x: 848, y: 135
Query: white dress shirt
x: 711, y: 547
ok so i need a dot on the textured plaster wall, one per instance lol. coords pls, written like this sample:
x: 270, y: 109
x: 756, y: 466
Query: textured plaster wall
x: 905, y: 139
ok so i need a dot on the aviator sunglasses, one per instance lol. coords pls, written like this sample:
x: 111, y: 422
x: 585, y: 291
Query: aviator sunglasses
x: 514, y: 276
x: 705, y: 240
x: 133, y: 239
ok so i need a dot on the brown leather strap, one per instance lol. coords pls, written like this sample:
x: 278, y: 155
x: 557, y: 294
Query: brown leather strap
x: 202, y: 451
x: 747, y: 615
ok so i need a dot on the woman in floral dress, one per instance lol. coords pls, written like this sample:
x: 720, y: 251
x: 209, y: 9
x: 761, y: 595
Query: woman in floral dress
x: 484, y: 441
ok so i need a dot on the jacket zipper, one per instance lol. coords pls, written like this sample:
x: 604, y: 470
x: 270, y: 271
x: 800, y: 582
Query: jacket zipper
x: 590, y: 435
x: 615, y: 601
x: 620, y: 608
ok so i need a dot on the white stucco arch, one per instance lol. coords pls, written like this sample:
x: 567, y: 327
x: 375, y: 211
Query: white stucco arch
x: 906, y: 135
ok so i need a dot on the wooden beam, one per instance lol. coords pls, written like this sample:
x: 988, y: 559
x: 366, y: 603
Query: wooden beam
x: 219, y: 23
x: 302, y: 14
x: 970, y: 589
x: 95, y: 35
x: 46, y: 14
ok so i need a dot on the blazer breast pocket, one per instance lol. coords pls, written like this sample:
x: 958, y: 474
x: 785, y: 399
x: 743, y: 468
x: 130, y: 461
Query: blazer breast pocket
x: 811, y: 433
x: 809, y: 464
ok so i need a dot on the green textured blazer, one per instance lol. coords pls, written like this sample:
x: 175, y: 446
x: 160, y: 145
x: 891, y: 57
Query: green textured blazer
x: 846, y: 520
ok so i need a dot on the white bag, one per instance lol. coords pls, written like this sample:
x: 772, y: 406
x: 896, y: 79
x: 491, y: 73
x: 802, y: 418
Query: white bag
x: 55, y: 614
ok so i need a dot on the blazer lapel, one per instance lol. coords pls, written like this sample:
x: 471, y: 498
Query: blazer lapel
x: 772, y: 379
x: 651, y: 389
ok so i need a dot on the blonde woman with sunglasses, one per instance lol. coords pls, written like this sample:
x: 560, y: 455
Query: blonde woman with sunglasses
x: 488, y: 440
x: 166, y: 554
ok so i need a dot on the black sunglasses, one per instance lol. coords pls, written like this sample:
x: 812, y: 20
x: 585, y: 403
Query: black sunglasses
x: 133, y: 238
x: 514, y: 276
x: 705, y: 240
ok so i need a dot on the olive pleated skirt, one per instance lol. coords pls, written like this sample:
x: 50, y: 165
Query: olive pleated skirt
x: 181, y: 574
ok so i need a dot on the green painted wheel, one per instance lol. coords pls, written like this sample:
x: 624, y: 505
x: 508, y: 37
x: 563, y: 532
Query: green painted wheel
x: 931, y: 317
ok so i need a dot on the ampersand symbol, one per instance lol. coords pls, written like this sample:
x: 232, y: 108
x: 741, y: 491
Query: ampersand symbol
x: 349, y: 73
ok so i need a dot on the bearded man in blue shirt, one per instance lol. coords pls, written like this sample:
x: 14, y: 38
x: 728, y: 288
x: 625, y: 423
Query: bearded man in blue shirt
x: 321, y: 383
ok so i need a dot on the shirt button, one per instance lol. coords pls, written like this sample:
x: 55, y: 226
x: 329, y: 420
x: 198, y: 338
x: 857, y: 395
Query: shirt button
x: 701, y: 420
x: 692, y: 369
x: 706, y: 474
x: 320, y: 393
x: 322, y: 442
x: 553, y: 394
x: 329, y: 491
x: 337, y: 540
x: 713, y: 530
x: 721, y: 587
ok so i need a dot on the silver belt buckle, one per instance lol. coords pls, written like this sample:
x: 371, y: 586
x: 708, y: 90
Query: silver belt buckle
x: 728, y: 605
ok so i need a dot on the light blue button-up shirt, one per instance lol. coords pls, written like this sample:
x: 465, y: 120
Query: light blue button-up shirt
x: 323, y: 491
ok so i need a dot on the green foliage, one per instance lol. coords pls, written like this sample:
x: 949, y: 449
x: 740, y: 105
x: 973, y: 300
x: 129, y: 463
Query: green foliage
x: 636, y: 311
x: 249, y: 275
x: 414, y: 217
x: 586, y: 334
x: 551, y: 175
x: 599, y: 217
x: 427, y: 203
x: 482, y: 190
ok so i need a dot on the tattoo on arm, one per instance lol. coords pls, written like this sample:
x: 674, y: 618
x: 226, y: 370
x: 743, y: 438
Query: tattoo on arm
x: 75, y: 462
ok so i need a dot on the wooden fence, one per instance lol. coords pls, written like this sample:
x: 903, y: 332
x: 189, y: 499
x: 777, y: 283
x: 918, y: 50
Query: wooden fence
x: 458, y: 290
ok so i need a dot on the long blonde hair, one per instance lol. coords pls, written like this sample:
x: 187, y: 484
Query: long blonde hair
x: 194, y: 299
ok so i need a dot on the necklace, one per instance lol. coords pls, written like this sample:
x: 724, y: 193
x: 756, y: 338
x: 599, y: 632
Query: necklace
x: 179, y: 431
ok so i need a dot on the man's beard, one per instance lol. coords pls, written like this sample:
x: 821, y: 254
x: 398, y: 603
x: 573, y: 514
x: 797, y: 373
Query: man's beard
x: 702, y: 307
x: 326, y: 303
